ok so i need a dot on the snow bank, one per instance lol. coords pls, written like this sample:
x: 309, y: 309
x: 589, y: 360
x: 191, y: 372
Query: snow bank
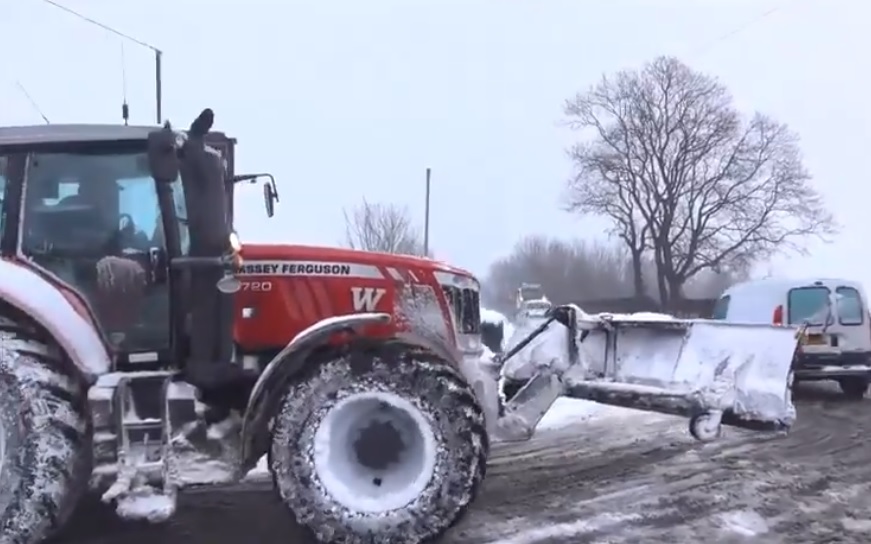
x: 567, y: 412
x: 262, y: 468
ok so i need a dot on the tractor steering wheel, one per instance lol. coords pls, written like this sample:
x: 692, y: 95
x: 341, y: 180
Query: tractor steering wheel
x: 126, y: 224
x: 128, y: 238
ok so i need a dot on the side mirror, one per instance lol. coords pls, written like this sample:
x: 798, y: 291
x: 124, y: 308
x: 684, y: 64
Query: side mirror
x: 270, y: 192
x: 269, y: 198
x: 163, y: 161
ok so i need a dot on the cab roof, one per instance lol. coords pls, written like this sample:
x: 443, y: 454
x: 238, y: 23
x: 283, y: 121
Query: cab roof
x: 55, y: 134
x: 63, y: 133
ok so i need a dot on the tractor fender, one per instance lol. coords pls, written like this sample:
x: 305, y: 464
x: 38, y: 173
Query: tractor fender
x: 436, y: 344
x: 42, y: 301
x: 272, y: 383
x: 486, y: 388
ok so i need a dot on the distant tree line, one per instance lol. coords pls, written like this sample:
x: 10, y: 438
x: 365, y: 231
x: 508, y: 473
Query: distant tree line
x: 695, y: 194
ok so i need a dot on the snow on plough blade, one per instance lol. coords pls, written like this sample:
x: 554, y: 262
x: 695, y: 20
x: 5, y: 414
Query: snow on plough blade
x: 710, y: 371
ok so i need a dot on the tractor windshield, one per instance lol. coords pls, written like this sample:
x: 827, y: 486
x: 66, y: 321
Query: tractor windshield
x: 93, y: 220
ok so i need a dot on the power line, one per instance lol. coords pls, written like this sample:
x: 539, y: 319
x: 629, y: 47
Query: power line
x: 158, y: 59
x: 104, y: 26
x: 741, y: 28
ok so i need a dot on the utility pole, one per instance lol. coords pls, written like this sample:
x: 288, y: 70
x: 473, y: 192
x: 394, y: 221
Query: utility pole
x: 426, y: 215
x: 158, y: 84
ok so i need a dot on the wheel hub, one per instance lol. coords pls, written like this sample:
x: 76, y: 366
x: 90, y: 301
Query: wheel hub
x: 374, y: 451
x: 379, y: 445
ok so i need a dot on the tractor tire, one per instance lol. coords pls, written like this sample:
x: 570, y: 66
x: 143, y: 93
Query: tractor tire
x: 854, y: 387
x: 385, y: 443
x: 45, y: 437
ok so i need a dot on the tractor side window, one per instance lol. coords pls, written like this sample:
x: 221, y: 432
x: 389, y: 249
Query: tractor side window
x: 223, y: 165
x: 850, y: 310
x: 181, y: 215
x: 808, y: 304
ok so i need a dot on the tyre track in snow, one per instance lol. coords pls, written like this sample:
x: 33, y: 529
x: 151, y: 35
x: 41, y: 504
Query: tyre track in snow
x: 628, y: 480
x: 813, y: 485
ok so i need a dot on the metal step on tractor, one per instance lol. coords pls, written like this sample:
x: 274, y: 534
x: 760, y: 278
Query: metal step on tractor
x: 143, y: 349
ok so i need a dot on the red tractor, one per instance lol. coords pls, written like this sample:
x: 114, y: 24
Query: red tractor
x: 133, y: 326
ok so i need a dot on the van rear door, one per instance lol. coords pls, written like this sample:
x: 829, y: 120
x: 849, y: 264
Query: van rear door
x: 835, y: 315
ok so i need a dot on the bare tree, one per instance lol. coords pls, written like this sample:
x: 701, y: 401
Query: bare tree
x: 567, y: 272
x: 382, y: 227
x: 671, y: 162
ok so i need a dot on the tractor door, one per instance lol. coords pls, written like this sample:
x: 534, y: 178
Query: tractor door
x: 199, y: 261
x: 89, y: 218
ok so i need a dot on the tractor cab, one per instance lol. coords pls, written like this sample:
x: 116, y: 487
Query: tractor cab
x: 81, y: 208
x: 130, y: 223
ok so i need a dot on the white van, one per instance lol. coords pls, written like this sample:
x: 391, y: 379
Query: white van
x: 837, y: 341
x: 534, y: 308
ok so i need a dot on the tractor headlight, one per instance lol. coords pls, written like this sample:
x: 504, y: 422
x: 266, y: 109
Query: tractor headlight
x: 235, y: 243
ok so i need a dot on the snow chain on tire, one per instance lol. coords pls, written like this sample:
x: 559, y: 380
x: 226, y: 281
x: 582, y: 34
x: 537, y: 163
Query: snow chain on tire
x: 45, y: 434
x: 436, y: 389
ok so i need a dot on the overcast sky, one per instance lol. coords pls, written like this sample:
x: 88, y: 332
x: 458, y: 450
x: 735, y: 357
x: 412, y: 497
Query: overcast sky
x: 342, y: 99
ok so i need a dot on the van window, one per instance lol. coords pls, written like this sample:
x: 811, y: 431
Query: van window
x: 721, y: 308
x: 807, y: 304
x: 850, y: 310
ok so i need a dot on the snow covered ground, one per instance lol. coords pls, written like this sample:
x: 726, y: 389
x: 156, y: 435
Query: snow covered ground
x: 620, y: 477
x: 599, y: 474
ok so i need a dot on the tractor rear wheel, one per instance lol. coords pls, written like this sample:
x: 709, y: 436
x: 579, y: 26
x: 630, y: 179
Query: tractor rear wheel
x: 45, y: 448
x: 386, y: 443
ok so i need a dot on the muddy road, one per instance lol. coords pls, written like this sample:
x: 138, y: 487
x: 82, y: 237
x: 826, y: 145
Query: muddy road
x: 649, y: 483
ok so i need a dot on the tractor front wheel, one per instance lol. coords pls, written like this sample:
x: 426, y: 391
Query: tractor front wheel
x: 382, y: 444
x: 854, y: 387
x: 45, y: 448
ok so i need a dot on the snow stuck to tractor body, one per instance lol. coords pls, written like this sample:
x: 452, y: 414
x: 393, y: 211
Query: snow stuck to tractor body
x: 738, y: 373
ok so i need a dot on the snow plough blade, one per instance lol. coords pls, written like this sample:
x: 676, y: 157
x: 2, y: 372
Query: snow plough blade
x: 710, y: 371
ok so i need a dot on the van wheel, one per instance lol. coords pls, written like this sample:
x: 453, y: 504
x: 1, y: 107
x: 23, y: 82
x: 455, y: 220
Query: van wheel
x: 854, y: 387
